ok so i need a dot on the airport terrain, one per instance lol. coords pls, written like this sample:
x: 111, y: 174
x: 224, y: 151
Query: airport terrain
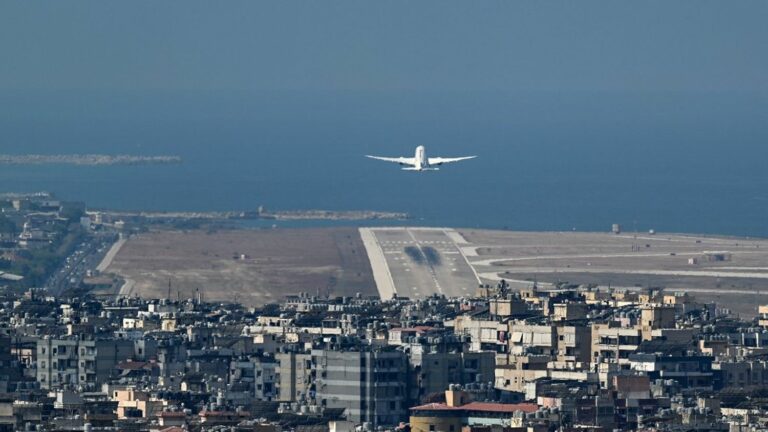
x: 418, y: 262
x: 251, y: 267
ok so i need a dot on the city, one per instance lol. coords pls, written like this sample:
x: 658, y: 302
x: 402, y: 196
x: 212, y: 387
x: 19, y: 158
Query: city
x: 383, y: 216
x: 570, y: 357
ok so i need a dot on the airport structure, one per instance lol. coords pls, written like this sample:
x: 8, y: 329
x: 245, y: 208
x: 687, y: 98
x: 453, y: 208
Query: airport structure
x: 440, y: 352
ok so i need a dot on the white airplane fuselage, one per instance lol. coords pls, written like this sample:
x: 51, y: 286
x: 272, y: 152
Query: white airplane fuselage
x: 421, y: 162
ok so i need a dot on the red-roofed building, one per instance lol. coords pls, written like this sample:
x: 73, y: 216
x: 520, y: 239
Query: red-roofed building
x: 455, y: 414
x: 168, y: 418
x: 223, y: 417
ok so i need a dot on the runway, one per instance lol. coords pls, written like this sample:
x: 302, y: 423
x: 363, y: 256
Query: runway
x: 419, y: 262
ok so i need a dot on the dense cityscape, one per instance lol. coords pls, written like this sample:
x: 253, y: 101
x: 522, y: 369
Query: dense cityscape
x: 572, y: 357
x: 383, y: 216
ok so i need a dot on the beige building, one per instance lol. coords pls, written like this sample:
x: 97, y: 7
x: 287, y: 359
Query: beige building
x: 518, y: 370
x: 130, y: 400
x: 614, y: 344
x: 569, y: 311
x: 655, y: 316
x: 485, y: 335
x: 762, y: 316
x: 563, y: 343
x: 507, y: 307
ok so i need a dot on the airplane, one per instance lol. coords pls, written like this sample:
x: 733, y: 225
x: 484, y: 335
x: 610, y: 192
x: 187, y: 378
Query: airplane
x: 420, y: 161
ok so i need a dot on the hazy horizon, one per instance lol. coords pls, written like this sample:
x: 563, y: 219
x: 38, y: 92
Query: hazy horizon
x: 582, y: 114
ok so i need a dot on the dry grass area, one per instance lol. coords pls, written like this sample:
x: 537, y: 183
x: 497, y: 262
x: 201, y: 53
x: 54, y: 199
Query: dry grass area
x: 277, y: 262
x: 630, y: 260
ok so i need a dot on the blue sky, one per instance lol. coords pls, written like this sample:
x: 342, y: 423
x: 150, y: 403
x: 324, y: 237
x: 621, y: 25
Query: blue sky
x: 649, y: 46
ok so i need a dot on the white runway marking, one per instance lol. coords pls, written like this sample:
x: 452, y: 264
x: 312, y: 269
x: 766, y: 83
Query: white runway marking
x: 381, y: 273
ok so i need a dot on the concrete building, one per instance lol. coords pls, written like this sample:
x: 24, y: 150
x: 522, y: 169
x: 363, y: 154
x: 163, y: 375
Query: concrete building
x: 614, y: 344
x: 433, y: 370
x: 654, y: 317
x: 70, y: 362
x: 369, y: 385
x: 742, y: 374
x: 293, y: 376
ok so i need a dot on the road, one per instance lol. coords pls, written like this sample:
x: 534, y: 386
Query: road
x: 86, y: 256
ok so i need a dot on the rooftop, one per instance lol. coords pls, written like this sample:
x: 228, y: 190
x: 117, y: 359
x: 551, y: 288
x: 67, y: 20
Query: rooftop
x: 480, y: 406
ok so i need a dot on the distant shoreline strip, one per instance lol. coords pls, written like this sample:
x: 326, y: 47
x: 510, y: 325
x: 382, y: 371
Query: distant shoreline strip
x: 86, y: 159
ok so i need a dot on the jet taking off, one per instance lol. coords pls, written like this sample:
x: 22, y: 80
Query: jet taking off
x: 420, y: 161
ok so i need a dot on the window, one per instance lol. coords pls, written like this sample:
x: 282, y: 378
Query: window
x: 431, y: 428
x: 450, y: 428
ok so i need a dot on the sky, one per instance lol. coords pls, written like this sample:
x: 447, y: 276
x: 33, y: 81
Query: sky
x: 507, y: 46
x: 583, y: 113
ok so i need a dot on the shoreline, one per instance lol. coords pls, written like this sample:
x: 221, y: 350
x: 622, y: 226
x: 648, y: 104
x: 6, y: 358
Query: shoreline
x: 288, y: 215
x: 86, y: 159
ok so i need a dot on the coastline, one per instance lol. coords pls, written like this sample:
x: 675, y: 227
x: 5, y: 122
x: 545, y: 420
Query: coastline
x: 86, y: 159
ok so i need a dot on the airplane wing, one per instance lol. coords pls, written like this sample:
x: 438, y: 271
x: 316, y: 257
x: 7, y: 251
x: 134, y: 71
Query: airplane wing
x: 399, y: 160
x: 439, y: 160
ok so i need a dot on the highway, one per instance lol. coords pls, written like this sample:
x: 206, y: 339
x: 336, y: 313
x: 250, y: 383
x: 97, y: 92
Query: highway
x: 86, y: 256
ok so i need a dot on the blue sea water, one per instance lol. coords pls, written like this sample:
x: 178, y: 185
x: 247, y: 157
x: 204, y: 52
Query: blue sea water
x: 547, y: 161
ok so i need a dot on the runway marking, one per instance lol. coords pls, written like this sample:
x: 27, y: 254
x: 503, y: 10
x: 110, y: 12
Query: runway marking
x: 431, y: 268
x: 706, y: 273
x: 453, y: 235
x: 381, y: 273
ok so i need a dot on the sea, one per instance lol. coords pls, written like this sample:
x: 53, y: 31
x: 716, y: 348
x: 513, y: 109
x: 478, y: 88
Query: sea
x: 581, y: 160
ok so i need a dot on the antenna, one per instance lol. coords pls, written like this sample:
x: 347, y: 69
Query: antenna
x: 169, y: 289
